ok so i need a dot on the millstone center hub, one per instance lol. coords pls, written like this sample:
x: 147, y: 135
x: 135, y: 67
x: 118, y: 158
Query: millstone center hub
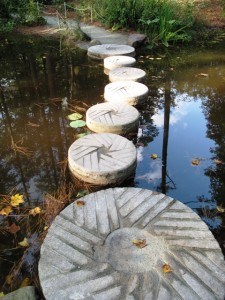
x: 131, y: 250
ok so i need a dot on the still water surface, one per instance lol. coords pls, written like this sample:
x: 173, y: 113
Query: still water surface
x: 184, y: 119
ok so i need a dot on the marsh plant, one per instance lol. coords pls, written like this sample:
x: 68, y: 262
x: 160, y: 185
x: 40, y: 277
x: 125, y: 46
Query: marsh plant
x: 163, y: 21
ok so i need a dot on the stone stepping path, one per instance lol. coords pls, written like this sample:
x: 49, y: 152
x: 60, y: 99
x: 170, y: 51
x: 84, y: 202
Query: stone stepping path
x: 130, y: 92
x: 112, y: 118
x: 102, y: 158
x: 130, y: 243
x: 113, y: 62
x: 102, y: 51
x: 126, y: 73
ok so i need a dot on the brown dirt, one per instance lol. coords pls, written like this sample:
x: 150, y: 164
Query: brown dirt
x: 209, y: 12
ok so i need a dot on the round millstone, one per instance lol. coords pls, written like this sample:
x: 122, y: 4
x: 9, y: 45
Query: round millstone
x: 130, y: 92
x: 114, y: 62
x: 102, y: 158
x: 130, y: 243
x: 102, y: 51
x: 113, y: 118
x: 126, y: 73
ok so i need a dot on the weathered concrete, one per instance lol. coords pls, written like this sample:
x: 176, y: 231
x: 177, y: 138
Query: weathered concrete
x: 116, y: 118
x: 91, y: 250
x: 102, y: 159
x: 102, y: 51
x: 114, y: 62
x: 130, y: 92
x: 126, y: 73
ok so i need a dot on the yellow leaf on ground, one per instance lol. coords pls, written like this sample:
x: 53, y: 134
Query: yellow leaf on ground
x: 6, y: 211
x: 140, y: 243
x: 220, y: 209
x: 25, y: 282
x: 167, y: 268
x: 195, y: 162
x: 2, y: 294
x: 24, y: 243
x: 16, y: 200
x: 35, y: 211
x: 154, y: 156
x: 46, y: 227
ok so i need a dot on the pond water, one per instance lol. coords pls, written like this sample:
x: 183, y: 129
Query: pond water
x: 182, y: 123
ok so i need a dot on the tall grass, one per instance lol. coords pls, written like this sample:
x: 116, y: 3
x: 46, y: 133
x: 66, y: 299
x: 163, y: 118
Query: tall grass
x: 163, y: 21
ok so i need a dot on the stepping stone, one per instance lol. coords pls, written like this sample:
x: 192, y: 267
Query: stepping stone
x: 102, y: 51
x: 130, y: 243
x: 114, y: 62
x: 102, y: 158
x: 113, y: 118
x: 130, y: 92
x: 126, y: 73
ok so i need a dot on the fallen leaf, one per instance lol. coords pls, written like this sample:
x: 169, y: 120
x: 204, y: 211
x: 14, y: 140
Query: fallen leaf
x: 6, y: 211
x: 2, y: 294
x: 35, y: 211
x: 202, y: 75
x: 80, y: 203
x: 139, y: 243
x: 25, y: 282
x: 13, y: 228
x: 16, y: 200
x: 195, y: 162
x: 167, y: 268
x: 46, y: 227
x: 24, y: 243
x: 154, y: 156
x: 220, y: 209
x: 217, y: 161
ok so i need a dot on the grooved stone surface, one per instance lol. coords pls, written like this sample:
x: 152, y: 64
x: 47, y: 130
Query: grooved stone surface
x: 102, y: 51
x: 114, y: 118
x: 114, y: 62
x: 102, y: 158
x: 130, y: 92
x: 126, y: 73
x: 89, y: 251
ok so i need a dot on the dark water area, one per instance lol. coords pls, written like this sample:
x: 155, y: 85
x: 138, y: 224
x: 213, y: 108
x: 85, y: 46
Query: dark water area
x: 183, y: 120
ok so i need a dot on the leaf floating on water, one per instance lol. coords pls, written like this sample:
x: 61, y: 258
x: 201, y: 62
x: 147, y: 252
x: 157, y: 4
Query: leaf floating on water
x: 16, y: 200
x: 6, y: 211
x: 202, y: 75
x: 139, y: 243
x: 13, y: 228
x: 220, y: 209
x: 35, y: 211
x: 24, y: 243
x: 195, y: 162
x: 80, y: 203
x: 217, y: 161
x: 154, y: 156
x: 74, y: 116
x: 166, y: 268
x: 77, y: 124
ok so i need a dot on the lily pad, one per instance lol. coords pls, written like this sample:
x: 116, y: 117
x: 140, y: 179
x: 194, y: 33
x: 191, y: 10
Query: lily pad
x: 74, y: 116
x: 77, y: 123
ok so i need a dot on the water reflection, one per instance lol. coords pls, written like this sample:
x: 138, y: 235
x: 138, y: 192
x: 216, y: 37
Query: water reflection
x: 182, y: 120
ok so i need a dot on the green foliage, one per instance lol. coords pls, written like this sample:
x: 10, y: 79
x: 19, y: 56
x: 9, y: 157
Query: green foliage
x: 18, y: 12
x: 163, y: 21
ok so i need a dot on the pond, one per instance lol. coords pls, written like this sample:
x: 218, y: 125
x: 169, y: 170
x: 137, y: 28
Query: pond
x: 180, y: 141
